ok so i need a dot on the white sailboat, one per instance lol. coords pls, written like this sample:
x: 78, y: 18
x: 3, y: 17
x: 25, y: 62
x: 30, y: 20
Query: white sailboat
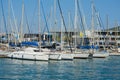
x: 64, y: 55
x: 54, y: 55
x: 67, y: 56
x: 78, y: 53
x: 100, y: 54
x: 29, y: 53
x: 96, y: 53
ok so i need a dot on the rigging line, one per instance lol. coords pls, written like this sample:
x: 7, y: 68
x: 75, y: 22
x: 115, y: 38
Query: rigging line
x: 44, y: 19
x: 81, y: 18
x: 64, y: 25
x: 27, y: 21
x: 4, y: 17
x: 72, y: 21
x: 99, y: 18
x: 101, y: 22
x: 33, y: 18
x: 15, y: 23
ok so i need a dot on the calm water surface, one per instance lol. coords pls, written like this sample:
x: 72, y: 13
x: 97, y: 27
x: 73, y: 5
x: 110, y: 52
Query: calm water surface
x: 88, y: 69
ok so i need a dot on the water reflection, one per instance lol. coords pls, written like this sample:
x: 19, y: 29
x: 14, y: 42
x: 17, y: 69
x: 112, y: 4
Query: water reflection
x: 79, y: 69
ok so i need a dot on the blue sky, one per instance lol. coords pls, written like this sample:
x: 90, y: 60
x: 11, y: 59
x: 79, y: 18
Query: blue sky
x: 105, y: 7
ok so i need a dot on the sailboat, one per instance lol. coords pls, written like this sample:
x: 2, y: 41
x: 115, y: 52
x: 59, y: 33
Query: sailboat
x: 96, y: 53
x: 78, y: 53
x: 65, y: 55
x: 53, y: 54
x: 29, y: 53
x: 60, y: 54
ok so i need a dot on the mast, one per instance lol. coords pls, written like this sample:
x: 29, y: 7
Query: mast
x: 39, y: 37
x: 55, y: 21
x: 21, y: 28
x: 92, y: 6
x: 15, y: 23
x: 108, y: 36
x: 116, y: 33
x: 1, y: 28
x: 75, y: 23
x: 50, y: 23
x: 69, y: 17
x: 8, y: 21
x: 61, y: 34
x: 64, y: 25
x: 4, y: 17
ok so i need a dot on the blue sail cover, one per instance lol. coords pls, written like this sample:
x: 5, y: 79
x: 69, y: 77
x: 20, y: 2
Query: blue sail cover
x: 88, y: 47
x: 25, y: 43
x: 28, y: 43
x: 13, y: 44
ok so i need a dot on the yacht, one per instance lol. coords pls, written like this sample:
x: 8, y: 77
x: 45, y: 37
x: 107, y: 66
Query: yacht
x: 29, y: 53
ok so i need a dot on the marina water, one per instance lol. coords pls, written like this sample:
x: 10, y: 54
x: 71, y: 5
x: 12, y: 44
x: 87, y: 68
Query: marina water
x: 78, y: 69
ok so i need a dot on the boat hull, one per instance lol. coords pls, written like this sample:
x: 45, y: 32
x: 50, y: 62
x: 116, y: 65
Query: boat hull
x: 100, y: 55
x: 55, y: 56
x: 81, y: 56
x: 28, y: 56
x: 67, y: 56
x: 114, y: 54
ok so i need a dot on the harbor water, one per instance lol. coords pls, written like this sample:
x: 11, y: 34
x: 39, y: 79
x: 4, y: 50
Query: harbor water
x: 78, y: 69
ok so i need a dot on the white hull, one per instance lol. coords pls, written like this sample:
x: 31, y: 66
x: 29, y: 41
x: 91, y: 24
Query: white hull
x: 67, y: 56
x: 28, y: 55
x: 60, y: 56
x: 81, y: 55
x: 114, y: 54
x: 54, y: 56
x: 100, y: 55
x: 119, y: 50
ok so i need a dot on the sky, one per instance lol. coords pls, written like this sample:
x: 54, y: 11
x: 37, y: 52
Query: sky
x: 105, y: 8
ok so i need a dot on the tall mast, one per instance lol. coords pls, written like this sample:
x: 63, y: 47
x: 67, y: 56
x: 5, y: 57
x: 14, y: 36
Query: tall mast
x: 64, y: 24
x: 21, y: 28
x: 108, y: 35
x: 107, y: 23
x: 69, y: 25
x: 39, y: 38
x: 15, y: 23
x: 55, y: 22
x: 75, y: 23
x: 61, y: 34
x: 55, y: 11
x: 8, y: 24
x: 116, y: 33
x: 92, y: 25
x: 4, y: 17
